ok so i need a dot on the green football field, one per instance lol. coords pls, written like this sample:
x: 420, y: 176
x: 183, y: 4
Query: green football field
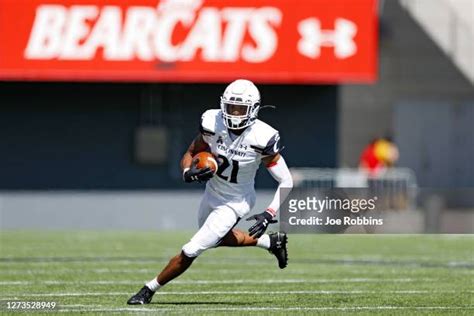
x: 96, y: 272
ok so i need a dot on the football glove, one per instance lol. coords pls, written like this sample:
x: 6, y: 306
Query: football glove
x: 263, y: 219
x: 199, y: 175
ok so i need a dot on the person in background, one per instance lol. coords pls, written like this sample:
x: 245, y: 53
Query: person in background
x: 378, y: 155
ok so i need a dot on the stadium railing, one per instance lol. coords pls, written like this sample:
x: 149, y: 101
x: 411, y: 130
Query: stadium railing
x: 397, y: 186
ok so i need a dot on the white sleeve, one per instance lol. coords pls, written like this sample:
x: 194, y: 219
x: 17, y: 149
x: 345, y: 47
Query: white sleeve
x: 207, y: 126
x: 280, y: 172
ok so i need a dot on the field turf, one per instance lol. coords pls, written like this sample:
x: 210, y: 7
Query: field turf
x: 96, y: 272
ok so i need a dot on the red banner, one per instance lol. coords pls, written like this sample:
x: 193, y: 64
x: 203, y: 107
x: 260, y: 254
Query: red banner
x: 284, y: 41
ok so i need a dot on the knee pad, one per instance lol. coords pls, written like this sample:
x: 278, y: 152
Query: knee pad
x: 192, y: 249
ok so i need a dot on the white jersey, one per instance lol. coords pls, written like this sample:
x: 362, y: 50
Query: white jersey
x: 239, y: 156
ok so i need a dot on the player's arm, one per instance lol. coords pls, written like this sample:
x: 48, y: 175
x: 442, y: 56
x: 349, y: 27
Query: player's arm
x: 190, y: 171
x: 277, y: 167
x: 196, y: 146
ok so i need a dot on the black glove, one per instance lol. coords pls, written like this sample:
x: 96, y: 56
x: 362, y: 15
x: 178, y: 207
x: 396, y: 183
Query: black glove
x: 263, y: 219
x: 199, y: 175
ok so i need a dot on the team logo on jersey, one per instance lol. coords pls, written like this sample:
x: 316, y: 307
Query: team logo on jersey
x: 231, y: 151
x: 243, y: 146
x: 220, y: 140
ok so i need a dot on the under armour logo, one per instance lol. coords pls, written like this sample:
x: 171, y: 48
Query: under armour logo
x: 313, y: 38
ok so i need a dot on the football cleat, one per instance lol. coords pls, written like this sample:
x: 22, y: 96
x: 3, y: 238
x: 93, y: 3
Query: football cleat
x: 278, y: 243
x: 142, y: 297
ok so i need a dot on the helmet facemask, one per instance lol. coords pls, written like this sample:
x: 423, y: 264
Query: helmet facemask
x: 239, y: 109
x: 238, y: 115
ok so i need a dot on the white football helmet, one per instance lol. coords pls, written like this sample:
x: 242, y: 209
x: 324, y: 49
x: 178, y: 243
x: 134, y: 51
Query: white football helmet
x: 240, y: 104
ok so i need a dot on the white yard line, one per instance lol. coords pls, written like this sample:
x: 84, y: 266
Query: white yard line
x: 181, y: 309
x: 184, y: 293
x: 376, y: 259
x: 153, y: 271
x: 231, y: 281
x: 347, y: 270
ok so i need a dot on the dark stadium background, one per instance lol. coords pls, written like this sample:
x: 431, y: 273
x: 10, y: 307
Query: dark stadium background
x: 82, y: 135
x: 59, y: 135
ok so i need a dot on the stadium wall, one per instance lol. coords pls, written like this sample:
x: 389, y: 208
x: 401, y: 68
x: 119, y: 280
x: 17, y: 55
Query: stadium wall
x: 82, y: 136
x: 413, y: 72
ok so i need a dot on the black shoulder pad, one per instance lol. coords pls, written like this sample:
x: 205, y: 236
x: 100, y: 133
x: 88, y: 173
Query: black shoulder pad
x: 273, y: 146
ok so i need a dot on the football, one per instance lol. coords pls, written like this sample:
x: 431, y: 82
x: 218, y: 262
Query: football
x: 206, y: 159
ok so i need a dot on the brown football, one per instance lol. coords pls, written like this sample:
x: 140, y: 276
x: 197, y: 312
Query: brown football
x: 205, y: 159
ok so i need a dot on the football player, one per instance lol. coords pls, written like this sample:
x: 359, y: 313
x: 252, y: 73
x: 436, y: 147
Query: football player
x: 241, y: 142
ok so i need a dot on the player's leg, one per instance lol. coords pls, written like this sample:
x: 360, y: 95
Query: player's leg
x: 216, y: 226
x: 273, y: 242
x: 238, y: 238
x: 175, y: 267
x: 181, y: 262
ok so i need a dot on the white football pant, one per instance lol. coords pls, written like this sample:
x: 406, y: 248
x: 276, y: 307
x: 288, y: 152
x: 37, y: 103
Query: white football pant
x: 216, y: 218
